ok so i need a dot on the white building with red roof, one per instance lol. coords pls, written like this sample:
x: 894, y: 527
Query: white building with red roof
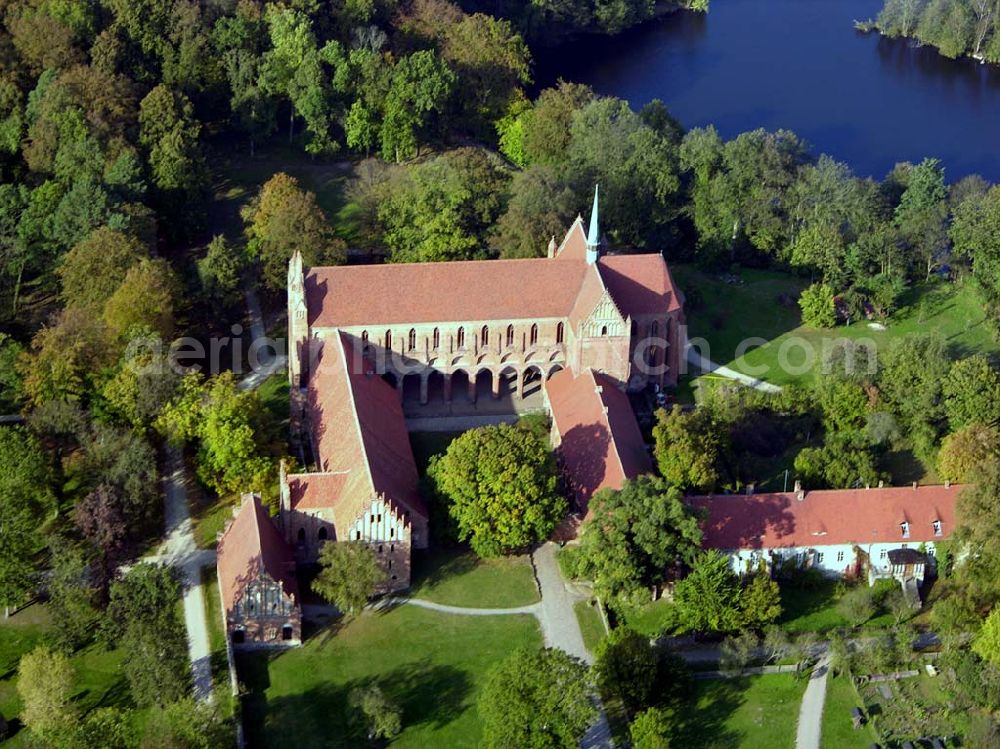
x: 839, y: 532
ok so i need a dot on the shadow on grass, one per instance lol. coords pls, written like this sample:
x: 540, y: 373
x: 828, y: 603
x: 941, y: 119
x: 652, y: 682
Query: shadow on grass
x: 321, y: 716
x: 431, y: 568
x: 704, y: 726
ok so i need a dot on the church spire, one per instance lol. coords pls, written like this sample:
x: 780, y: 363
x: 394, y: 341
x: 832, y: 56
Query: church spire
x: 594, y: 236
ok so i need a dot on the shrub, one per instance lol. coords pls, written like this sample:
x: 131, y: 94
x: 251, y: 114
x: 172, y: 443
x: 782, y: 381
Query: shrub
x: 818, y: 308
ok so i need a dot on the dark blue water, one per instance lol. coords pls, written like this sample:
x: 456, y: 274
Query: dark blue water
x: 800, y: 65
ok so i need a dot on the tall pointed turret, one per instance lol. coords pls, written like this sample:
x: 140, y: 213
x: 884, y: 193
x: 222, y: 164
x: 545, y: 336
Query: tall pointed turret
x: 594, y: 235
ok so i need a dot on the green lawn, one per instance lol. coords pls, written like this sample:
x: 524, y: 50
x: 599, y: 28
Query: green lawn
x: 463, y: 579
x: 433, y: 665
x: 838, y: 727
x: 728, y: 314
x: 99, y: 680
x: 815, y: 610
x: 591, y: 624
x: 217, y: 641
x: 653, y: 619
x: 757, y: 712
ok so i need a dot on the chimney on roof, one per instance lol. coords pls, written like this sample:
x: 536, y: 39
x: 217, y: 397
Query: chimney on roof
x: 798, y: 486
x: 594, y: 235
x: 552, y: 246
x: 914, y: 486
x: 947, y: 484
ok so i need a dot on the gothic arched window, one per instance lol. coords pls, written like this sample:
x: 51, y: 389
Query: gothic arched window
x: 534, y: 334
x: 388, y: 339
x: 485, y: 335
x: 322, y: 534
x: 604, y: 330
x: 559, y: 333
x: 437, y: 338
x: 510, y: 335
x: 413, y: 339
x: 460, y: 338
x: 655, y: 330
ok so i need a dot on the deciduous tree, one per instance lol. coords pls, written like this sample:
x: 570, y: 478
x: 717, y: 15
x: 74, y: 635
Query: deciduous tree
x: 349, y: 575
x: 500, y: 482
x: 536, y: 699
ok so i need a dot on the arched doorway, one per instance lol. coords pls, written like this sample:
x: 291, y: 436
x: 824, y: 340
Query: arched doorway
x: 435, y: 388
x: 508, y: 383
x: 460, y: 390
x: 411, y: 388
x: 484, y: 384
x: 531, y: 381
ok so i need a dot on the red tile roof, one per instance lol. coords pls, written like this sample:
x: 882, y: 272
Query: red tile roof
x: 528, y: 288
x: 360, y: 437
x: 843, y: 516
x: 250, y: 544
x: 601, y: 445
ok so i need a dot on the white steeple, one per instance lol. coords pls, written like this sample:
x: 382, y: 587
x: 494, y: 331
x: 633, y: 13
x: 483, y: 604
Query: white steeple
x: 594, y: 235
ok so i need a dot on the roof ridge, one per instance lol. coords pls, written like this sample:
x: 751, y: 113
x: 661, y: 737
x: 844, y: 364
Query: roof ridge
x: 368, y: 266
x: 611, y: 296
x: 607, y: 414
x: 354, y: 409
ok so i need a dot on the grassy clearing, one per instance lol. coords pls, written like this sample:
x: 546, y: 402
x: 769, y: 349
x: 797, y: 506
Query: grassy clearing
x: 751, y: 713
x: 815, y: 610
x: 432, y: 665
x: 838, y: 726
x: 728, y: 314
x: 652, y: 619
x: 463, y: 579
x: 240, y: 177
x: 591, y: 623
x: 99, y: 680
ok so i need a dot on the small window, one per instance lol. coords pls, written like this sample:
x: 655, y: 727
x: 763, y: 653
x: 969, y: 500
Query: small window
x: 937, y: 527
x: 905, y: 528
x: 559, y: 333
x: 437, y: 338
x: 390, y: 564
x: 930, y: 551
x: 392, y: 547
x: 534, y: 334
x: 364, y: 337
x: 388, y: 339
x: 380, y: 548
x: 392, y: 533
x: 840, y: 556
x: 302, y: 535
x: 604, y: 330
x: 287, y: 631
x: 485, y: 335
x: 819, y: 557
x: 373, y: 518
x: 882, y: 554
x: 412, y: 342
x: 460, y: 338
x: 510, y: 335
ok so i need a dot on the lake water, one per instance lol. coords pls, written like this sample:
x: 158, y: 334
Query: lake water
x: 800, y: 65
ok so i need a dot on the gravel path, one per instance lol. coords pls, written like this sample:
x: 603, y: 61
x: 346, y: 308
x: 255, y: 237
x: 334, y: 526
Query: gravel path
x: 531, y: 610
x: 810, y: 726
x: 180, y: 550
x: 708, y: 366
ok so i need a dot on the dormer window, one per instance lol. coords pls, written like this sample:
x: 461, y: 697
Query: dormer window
x: 905, y: 528
x: 937, y: 527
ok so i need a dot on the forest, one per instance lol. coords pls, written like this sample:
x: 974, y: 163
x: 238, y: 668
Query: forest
x: 954, y: 27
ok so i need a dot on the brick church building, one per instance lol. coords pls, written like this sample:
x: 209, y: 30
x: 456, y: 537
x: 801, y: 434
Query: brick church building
x: 582, y: 326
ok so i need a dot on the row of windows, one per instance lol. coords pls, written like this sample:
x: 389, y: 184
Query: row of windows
x: 904, y: 527
x: 484, y: 336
